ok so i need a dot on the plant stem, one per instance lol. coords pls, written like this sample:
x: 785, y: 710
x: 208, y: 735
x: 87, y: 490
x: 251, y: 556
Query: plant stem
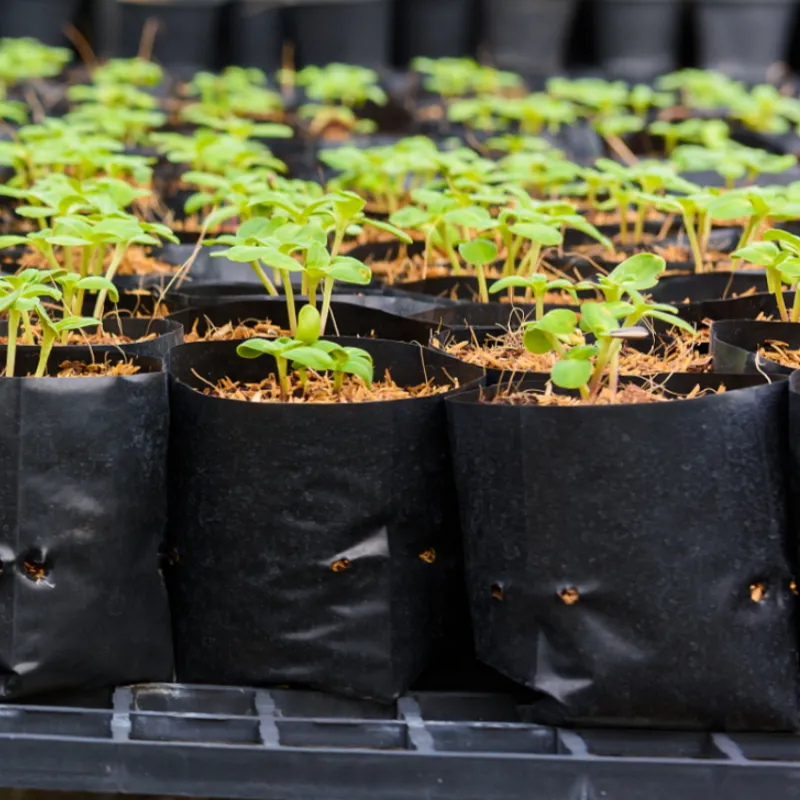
x: 283, y: 377
x: 264, y: 278
x: 327, y: 291
x: 48, y: 339
x: 287, y: 284
x: 338, y: 381
x: 776, y: 287
x: 641, y: 216
x: 539, y: 305
x: 26, y: 324
x: 796, y: 305
x: 531, y: 262
x: 337, y: 241
x: 119, y: 254
x: 11, y: 357
x: 689, y: 224
x: 483, y: 289
x: 607, y: 347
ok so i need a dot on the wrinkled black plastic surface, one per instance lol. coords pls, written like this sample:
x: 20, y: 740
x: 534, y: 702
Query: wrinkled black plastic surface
x: 168, y: 333
x: 735, y: 345
x: 696, y: 289
x: 83, y: 498
x: 255, y: 34
x: 266, y: 498
x: 438, y: 29
x: 661, y: 516
x: 363, y: 32
x: 258, y: 744
x: 478, y: 315
x: 649, y: 53
x: 345, y: 319
x: 44, y: 20
x: 743, y: 38
x: 191, y: 295
x: 528, y: 37
x: 187, y: 32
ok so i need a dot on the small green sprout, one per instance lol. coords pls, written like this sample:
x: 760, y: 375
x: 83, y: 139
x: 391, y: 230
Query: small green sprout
x: 779, y: 255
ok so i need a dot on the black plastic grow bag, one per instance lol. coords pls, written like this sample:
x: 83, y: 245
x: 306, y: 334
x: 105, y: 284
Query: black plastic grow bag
x: 634, y: 564
x: 83, y: 493
x: 165, y: 334
x: 345, y: 319
x: 314, y: 545
x: 735, y: 346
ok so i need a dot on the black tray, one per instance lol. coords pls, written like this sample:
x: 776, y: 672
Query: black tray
x: 257, y: 743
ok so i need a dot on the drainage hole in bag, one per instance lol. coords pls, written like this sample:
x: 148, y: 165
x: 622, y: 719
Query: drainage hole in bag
x: 569, y: 596
x: 497, y: 591
x: 758, y: 592
x: 340, y: 565
x: 428, y: 556
x: 35, y: 567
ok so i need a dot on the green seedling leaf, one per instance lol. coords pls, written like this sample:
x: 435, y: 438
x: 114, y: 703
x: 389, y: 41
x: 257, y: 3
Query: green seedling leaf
x: 559, y: 322
x: 597, y: 319
x: 478, y: 252
x: 308, y: 325
x: 762, y: 254
x: 538, y: 232
x: 311, y: 358
x: 571, y: 373
x: 638, y: 272
x: 349, y: 270
x: 536, y: 341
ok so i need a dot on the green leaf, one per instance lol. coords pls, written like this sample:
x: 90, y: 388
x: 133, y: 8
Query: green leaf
x: 75, y: 323
x: 360, y: 368
x: 596, y: 318
x: 96, y: 284
x: 255, y: 348
x: 11, y: 241
x: 244, y: 254
x: 789, y: 240
x: 731, y: 208
x: 68, y: 241
x: 638, y: 272
x: 308, y: 325
x: 317, y: 256
x: 310, y: 357
x: 220, y: 215
x: 349, y: 270
x: 36, y: 212
x: 411, y: 217
x: 510, y: 281
x: 571, y: 373
x: 254, y: 228
x: 536, y: 341
x: 761, y: 253
x: 470, y: 217
x: 478, y: 252
x: 539, y: 233
x: 277, y: 260
x: 582, y: 352
x: 559, y: 322
x: 388, y: 228
x: 671, y: 319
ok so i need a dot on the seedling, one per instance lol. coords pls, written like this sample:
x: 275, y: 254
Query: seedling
x: 779, y: 255
x: 588, y: 367
x: 536, y: 286
x: 308, y: 351
x: 134, y: 71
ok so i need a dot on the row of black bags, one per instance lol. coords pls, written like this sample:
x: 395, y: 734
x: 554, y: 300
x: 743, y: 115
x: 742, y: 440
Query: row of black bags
x: 627, y: 564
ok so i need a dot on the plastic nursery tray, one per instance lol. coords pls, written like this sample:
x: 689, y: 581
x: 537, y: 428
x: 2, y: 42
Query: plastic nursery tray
x: 279, y: 744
